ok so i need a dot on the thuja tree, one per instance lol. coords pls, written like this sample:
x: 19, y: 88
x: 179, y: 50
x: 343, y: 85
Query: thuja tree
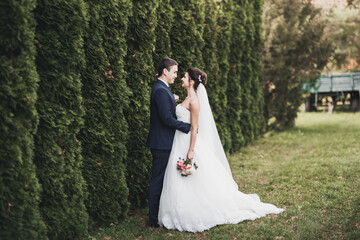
x: 245, y: 15
x: 103, y: 167
x: 209, y: 55
x: 187, y: 37
x: 165, y: 16
x: 256, y: 57
x: 234, y: 89
x: 60, y: 60
x: 215, y: 85
x: 19, y: 188
x: 296, y: 50
x: 141, y: 73
x: 223, y: 42
x: 116, y: 19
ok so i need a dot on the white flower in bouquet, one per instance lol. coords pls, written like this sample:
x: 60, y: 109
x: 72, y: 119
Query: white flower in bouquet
x: 186, y: 167
x: 192, y: 171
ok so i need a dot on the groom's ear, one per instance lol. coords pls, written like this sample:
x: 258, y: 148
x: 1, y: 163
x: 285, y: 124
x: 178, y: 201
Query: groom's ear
x: 165, y: 71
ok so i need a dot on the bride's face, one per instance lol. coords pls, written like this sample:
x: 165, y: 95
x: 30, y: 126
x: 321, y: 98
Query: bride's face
x: 185, y: 81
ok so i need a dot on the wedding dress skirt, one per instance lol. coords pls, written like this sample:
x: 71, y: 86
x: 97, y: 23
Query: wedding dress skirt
x: 207, y: 198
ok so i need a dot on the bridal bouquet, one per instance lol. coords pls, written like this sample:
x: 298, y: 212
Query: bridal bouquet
x: 186, y: 167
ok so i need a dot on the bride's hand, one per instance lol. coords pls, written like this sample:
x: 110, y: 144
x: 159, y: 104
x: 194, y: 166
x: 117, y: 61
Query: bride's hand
x: 190, y: 155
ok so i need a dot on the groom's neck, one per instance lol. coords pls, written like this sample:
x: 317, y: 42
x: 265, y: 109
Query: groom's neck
x: 162, y: 78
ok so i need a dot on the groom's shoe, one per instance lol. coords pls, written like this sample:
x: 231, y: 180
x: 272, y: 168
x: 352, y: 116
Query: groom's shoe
x: 153, y: 224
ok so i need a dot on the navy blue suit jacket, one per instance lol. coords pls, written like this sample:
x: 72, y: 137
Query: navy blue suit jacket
x: 163, y: 122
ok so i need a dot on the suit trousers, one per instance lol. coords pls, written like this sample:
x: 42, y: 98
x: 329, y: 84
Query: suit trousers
x: 159, y: 163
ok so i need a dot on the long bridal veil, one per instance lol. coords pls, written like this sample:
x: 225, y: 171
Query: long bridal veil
x: 207, y: 128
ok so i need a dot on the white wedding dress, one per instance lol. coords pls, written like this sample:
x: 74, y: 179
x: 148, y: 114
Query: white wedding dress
x: 209, y: 197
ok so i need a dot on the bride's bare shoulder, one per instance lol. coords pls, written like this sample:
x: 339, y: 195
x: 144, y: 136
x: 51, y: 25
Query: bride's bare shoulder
x: 194, y: 103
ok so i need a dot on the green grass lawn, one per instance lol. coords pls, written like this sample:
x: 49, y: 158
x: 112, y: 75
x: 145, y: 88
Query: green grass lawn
x: 313, y: 171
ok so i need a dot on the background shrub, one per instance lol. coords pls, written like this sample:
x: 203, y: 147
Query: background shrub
x: 60, y: 61
x: 19, y: 188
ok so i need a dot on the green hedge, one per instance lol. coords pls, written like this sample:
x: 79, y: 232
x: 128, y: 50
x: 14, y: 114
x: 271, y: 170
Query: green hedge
x: 234, y: 90
x: 256, y: 60
x: 165, y: 16
x: 19, y: 188
x: 246, y: 73
x: 187, y: 38
x: 96, y: 66
x: 103, y: 138
x: 141, y: 73
x: 60, y: 60
x: 115, y: 15
x: 223, y: 46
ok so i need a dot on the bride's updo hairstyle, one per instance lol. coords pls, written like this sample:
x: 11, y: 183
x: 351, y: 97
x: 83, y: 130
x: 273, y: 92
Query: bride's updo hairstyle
x: 198, y: 76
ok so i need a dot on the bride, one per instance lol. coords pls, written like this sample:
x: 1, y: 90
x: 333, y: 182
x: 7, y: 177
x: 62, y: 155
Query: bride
x: 209, y: 197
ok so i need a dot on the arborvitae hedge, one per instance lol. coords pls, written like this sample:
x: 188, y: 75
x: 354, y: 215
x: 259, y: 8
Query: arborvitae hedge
x: 165, y: 16
x: 141, y: 73
x: 215, y: 85
x: 103, y: 167
x: 209, y: 56
x: 256, y: 59
x: 124, y: 41
x: 246, y: 73
x: 187, y: 38
x: 116, y: 17
x: 223, y: 41
x: 234, y: 88
x: 60, y: 60
x: 19, y: 188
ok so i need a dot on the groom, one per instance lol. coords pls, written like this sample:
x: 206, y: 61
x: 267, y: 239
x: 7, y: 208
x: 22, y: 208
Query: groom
x: 163, y: 124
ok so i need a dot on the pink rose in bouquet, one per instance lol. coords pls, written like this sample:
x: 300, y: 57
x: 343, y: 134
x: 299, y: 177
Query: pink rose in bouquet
x: 186, y: 167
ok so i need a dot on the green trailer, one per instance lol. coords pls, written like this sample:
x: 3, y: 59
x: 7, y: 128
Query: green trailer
x: 344, y: 88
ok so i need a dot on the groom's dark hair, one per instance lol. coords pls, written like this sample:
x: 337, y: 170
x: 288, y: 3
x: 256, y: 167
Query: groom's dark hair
x: 165, y: 63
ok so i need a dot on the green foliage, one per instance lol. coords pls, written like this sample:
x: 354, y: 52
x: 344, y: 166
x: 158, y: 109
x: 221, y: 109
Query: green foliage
x: 58, y: 158
x: 96, y: 64
x: 116, y: 17
x: 187, y: 37
x: 104, y: 134
x: 246, y: 75
x: 19, y: 188
x: 256, y: 58
x: 223, y: 43
x: 296, y: 50
x: 234, y: 89
x: 344, y: 32
x: 165, y: 16
x: 140, y: 67
x: 209, y: 54
x: 212, y: 54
